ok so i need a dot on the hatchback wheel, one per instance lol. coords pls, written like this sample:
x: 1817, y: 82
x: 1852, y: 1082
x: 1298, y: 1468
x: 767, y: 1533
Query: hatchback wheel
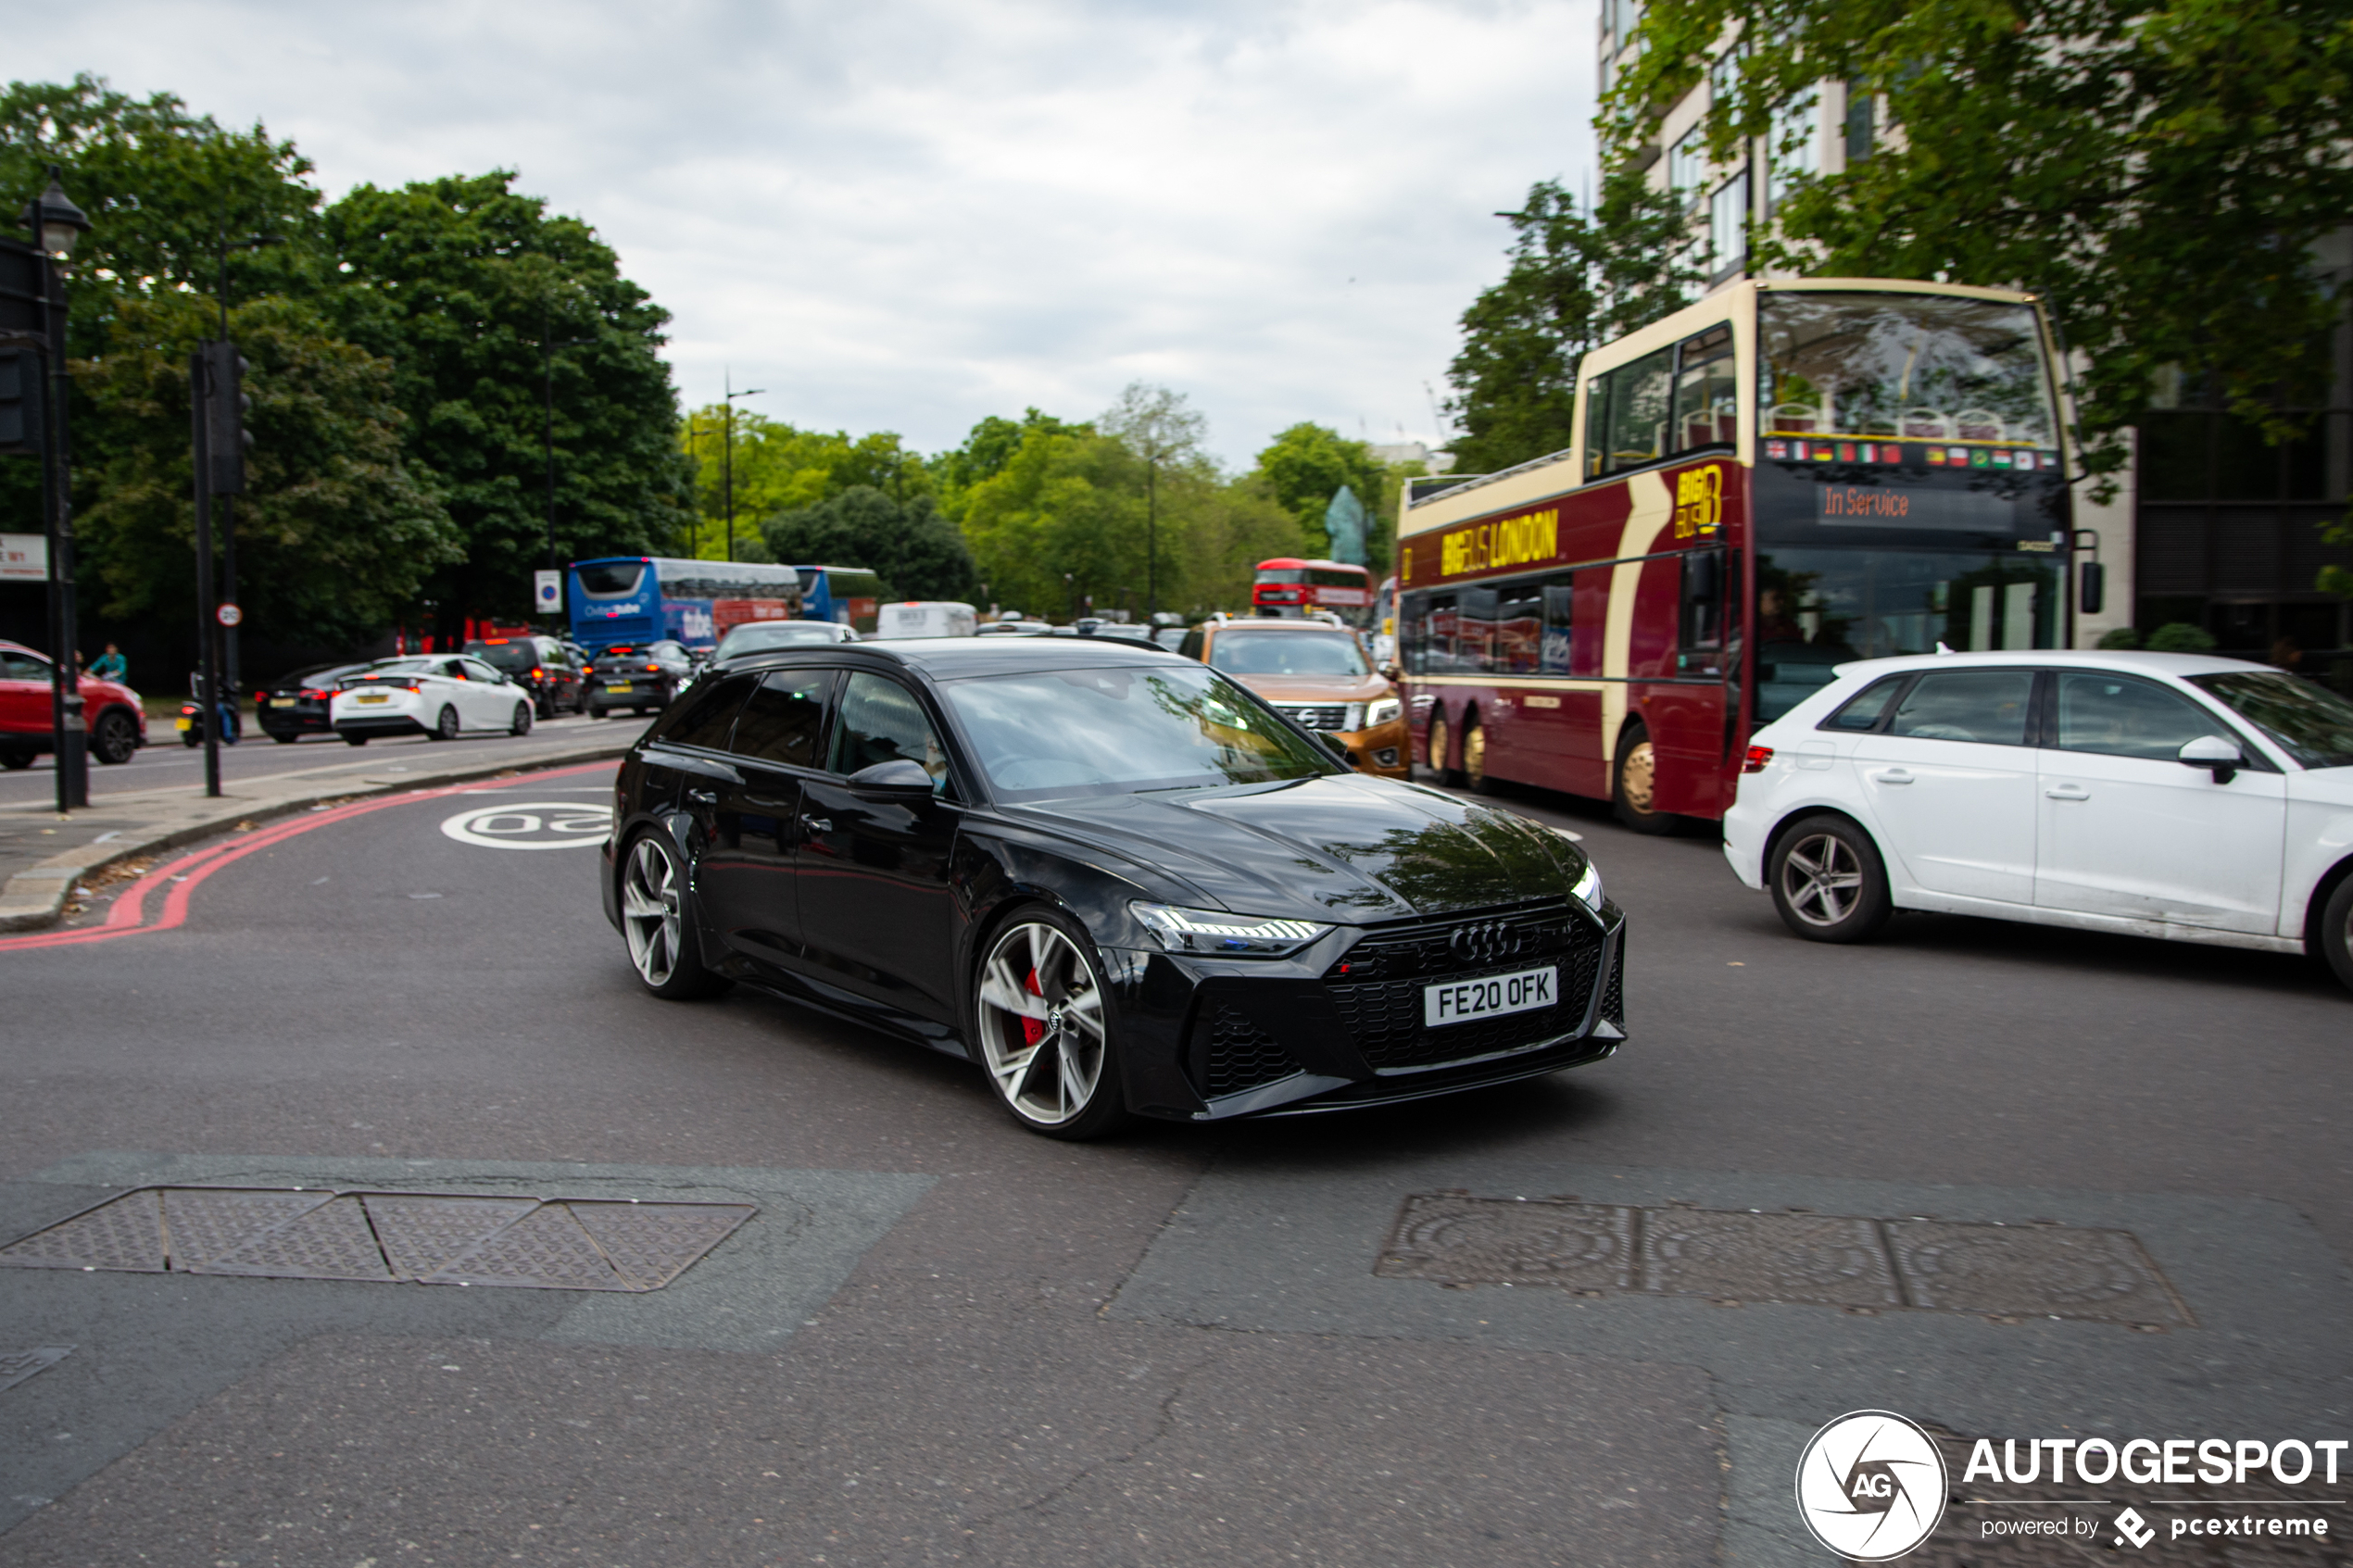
x: 114, y: 738
x: 1828, y: 882
x: 1045, y: 1036
x: 521, y: 723
x: 2336, y: 932
x: 446, y: 726
x: 657, y: 918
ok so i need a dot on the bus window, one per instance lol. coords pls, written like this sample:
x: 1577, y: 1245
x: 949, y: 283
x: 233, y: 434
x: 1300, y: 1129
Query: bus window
x: 1519, y: 627
x: 1916, y: 366
x: 1413, y: 633
x: 1596, y: 426
x: 1638, y: 411
x: 1475, y: 631
x: 1707, y: 392
x: 611, y: 579
x: 1704, y: 576
x: 1560, y: 610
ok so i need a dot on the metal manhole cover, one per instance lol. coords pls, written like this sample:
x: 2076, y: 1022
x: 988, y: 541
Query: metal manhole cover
x: 1996, y: 1271
x: 429, y: 1239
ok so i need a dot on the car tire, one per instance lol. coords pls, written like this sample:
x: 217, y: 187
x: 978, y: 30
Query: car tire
x: 2336, y: 932
x: 522, y: 724
x: 114, y: 738
x: 657, y: 920
x: 1828, y: 881
x: 283, y: 740
x: 1441, y: 746
x: 15, y: 761
x: 444, y: 724
x: 355, y: 740
x: 192, y: 738
x: 1475, y: 755
x: 1633, y: 789
x: 1041, y: 1018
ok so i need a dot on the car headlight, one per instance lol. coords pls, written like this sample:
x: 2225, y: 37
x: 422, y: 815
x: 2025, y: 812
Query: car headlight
x: 1215, y: 933
x: 1589, y: 886
x: 1382, y: 710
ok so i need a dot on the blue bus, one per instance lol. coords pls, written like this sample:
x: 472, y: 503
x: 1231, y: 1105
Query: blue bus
x: 848, y: 594
x: 629, y: 599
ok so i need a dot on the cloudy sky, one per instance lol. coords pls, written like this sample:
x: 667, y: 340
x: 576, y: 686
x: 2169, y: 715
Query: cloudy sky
x: 908, y: 214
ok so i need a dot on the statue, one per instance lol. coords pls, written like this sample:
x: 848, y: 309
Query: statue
x: 1344, y: 525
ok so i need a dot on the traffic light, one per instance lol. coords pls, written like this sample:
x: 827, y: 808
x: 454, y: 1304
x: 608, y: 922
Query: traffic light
x: 20, y: 401
x: 226, y: 439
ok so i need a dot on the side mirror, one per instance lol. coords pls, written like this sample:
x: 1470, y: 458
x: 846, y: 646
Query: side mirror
x: 898, y: 780
x: 1391, y: 670
x: 2213, y: 751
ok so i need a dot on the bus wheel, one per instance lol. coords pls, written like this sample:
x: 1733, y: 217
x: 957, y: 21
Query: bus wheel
x: 1634, y: 791
x: 1441, y: 746
x: 1475, y: 755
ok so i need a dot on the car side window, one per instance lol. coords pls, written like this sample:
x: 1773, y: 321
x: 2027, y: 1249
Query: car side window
x: 784, y: 719
x: 1864, y: 711
x: 15, y: 667
x: 2118, y: 716
x: 1191, y: 646
x: 477, y: 670
x: 706, y: 716
x: 453, y: 668
x: 1986, y: 706
x: 881, y: 722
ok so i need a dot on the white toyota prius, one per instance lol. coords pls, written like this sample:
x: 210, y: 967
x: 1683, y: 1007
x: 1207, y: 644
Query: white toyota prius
x: 2161, y: 795
x: 439, y: 696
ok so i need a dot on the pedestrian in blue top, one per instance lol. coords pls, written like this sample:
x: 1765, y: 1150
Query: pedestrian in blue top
x: 109, y: 666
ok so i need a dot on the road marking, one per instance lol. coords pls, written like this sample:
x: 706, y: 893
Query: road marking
x: 532, y: 824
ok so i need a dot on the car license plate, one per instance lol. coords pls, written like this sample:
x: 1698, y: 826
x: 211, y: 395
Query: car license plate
x: 618, y: 686
x: 187, y: 724
x: 1490, y: 997
x: 371, y: 697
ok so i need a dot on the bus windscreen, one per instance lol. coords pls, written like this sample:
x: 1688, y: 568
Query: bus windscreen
x: 1905, y: 367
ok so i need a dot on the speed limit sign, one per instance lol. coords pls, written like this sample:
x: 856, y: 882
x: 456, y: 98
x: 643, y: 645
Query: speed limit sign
x: 228, y: 615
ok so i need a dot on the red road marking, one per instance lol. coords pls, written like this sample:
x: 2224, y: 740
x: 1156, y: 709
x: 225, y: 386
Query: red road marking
x: 183, y: 876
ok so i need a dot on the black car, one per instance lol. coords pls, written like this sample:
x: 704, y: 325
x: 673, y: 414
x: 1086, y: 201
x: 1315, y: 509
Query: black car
x: 542, y: 666
x: 1111, y: 877
x: 643, y: 676
x: 294, y: 706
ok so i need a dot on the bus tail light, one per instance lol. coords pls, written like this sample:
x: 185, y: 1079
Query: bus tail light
x: 1758, y: 755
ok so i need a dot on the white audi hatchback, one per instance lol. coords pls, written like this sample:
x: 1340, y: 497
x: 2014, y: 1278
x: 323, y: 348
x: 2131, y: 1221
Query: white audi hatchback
x: 440, y: 697
x: 2161, y: 795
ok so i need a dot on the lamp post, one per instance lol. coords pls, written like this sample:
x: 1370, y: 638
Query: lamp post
x: 57, y: 223
x: 548, y: 428
x: 727, y: 460
x: 231, y: 675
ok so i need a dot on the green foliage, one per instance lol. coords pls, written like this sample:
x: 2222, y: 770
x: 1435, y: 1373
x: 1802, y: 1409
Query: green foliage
x: 2120, y: 637
x: 1307, y: 464
x: 779, y: 468
x: 2180, y: 637
x: 988, y: 450
x: 1577, y: 280
x: 2157, y: 169
x: 459, y: 282
x: 919, y: 554
x: 333, y: 533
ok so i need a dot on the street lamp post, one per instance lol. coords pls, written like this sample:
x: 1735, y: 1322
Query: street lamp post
x: 57, y: 223
x: 231, y: 674
x: 727, y: 460
x: 548, y: 428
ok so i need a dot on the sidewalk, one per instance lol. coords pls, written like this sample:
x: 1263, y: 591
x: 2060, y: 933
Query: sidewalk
x: 43, y: 856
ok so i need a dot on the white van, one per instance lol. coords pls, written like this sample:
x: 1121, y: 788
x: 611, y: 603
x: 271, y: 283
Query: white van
x: 925, y: 618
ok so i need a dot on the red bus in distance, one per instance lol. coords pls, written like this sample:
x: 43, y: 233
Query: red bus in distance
x: 1289, y: 587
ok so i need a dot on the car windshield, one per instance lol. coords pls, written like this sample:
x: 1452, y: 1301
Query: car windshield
x: 1915, y: 366
x: 1118, y: 729
x: 2310, y: 723
x: 774, y: 634
x: 509, y: 657
x: 403, y: 667
x: 1287, y: 653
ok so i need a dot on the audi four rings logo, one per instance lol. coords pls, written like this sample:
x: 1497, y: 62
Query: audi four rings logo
x: 1871, y: 1485
x: 1483, y: 943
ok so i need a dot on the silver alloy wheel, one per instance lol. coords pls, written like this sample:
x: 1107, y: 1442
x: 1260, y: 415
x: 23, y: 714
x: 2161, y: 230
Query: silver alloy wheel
x: 446, y: 727
x: 1821, y: 879
x: 649, y: 913
x: 1041, y: 1023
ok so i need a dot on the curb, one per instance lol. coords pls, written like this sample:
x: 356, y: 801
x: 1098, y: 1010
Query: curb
x: 36, y: 897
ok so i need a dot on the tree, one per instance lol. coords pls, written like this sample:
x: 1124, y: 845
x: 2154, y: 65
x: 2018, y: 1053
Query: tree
x: 459, y: 282
x: 918, y: 553
x: 2158, y: 170
x: 1307, y: 465
x: 985, y: 452
x: 1577, y: 280
x: 1160, y: 427
x: 335, y: 533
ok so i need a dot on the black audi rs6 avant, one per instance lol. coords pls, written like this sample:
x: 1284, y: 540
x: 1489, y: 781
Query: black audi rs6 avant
x: 1111, y: 877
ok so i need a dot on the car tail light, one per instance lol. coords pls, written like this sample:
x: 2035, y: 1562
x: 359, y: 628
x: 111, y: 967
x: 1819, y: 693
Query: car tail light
x: 310, y: 696
x: 653, y: 669
x: 538, y: 673
x: 1758, y: 755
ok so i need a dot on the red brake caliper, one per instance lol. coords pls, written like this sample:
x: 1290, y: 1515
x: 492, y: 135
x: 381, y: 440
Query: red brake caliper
x: 1033, y: 1029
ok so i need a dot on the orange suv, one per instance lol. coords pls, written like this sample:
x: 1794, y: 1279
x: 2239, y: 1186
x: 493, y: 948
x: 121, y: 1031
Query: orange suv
x: 1317, y: 674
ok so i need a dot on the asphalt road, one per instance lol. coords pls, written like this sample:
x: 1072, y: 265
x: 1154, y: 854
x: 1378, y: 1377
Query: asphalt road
x: 944, y: 1340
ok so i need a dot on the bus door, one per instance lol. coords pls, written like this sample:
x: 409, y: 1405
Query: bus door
x: 1686, y: 712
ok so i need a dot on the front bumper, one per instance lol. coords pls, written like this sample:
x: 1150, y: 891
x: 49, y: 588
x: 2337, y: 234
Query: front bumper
x: 1385, y: 750
x: 1339, y: 1025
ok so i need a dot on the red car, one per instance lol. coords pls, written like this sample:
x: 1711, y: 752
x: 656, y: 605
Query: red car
x: 117, y: 725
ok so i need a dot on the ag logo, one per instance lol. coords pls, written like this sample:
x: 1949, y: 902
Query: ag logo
x: 1871, y: 1486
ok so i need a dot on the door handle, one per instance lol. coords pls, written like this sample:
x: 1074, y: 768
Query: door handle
x: 2067, y: 792
x: 702, y: 797
x: 817, y: 824
x: 1893, y: 776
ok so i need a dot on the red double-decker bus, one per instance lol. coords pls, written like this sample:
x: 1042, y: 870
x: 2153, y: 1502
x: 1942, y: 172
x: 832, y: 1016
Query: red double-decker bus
x: 1775, y: 480
x: 1286, y: 585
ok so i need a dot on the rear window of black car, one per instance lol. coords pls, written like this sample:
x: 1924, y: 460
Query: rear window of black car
x: 512, y: 657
